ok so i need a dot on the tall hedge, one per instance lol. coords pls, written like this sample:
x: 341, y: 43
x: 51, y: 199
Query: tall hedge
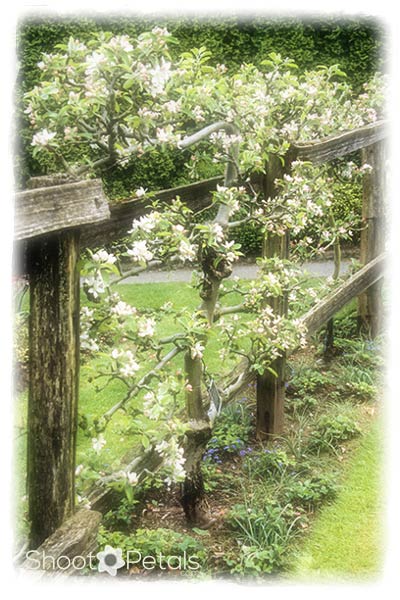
x: 355, y: 44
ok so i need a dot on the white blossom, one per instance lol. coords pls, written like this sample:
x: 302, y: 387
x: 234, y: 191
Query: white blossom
x: 130, y: 367
x: 88, y: 343
x: 146, y: 327
x: 160, y: 32
x: 122, y: 309
x: 121, y: 42
x: 140, y: 252
x: 366, y: 168
x: 161, y: 447
x: 231, y: 256
x: 217, y: 232
x: 187, y: 251
x: 145, y: 223
x: 103, y: 257
x: 98, y: 443
x: 93, y: 62
x: 196, y: 351
x: 133, y: 478
x: 95, y: 284
x: 43, y: 137
x: 165, y: 134
x: 172, y: 106
x: 140, y: 192
x: 159, y: 77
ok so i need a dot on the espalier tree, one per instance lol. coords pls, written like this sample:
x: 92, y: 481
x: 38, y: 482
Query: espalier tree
x: 101, y: 102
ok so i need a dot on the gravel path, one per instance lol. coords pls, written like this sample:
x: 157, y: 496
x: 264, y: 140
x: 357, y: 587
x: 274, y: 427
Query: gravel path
x: 243, y: 271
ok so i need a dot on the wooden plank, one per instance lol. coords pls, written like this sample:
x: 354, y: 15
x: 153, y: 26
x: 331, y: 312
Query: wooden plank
x: 195, y: 195
x: 370, y: 303
x: 76, y: 538
x: 324, y: 150
x: 53, y: 380
x: 43, y: 210
x: 357, y: 283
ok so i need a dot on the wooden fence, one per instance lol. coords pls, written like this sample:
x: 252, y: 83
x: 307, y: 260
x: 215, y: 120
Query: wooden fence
x: 368, y: 139
x: 56, y: 219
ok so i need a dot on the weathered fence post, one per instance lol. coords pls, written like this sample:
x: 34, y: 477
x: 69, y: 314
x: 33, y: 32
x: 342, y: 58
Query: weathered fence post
x: 270, y: 390
x: 370, y: 306
x: 48, y: 220
x: 53, y: 381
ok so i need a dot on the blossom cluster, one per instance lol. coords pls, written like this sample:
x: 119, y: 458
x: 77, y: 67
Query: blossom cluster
x: 100, y: 85
x: 173, y: 460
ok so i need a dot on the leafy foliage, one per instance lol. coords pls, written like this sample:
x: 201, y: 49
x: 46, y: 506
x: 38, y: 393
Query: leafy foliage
x: 164, y: 545
x: 263, y: 535
x: 355, y: 44
x: 312, y: 492
x: 330, y: 432
x: 230, y: 435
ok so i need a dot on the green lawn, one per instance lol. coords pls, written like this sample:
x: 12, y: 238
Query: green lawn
x: 345, y: 539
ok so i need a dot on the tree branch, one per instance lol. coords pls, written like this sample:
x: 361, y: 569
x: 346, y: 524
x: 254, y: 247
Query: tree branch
x: 143, y: 381
x: 206, y: 132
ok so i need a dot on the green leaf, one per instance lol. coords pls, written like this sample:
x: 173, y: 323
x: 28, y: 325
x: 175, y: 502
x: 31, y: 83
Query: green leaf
x: 145, y: 441
x: 129, y: 492
x: 128, y: 84
x: 200, y: 531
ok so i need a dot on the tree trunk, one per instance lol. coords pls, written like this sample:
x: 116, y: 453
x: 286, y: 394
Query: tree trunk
x: 197, y: 436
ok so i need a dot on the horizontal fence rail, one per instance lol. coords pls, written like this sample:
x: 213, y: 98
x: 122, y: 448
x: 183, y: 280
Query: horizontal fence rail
x: 337, y: 146
x: 195, y: 195
x: 44, y: 210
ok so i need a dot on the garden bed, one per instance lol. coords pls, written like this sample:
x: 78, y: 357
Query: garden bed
x: 262, y: 499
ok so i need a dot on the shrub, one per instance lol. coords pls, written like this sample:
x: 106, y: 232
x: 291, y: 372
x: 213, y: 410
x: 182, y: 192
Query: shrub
x: 332, y: 431
x: 306, y: 380
x: 121, y: 516
x: 267, y: 463
x: 249, y: 236
x: 302, y: 403
x: 311, y: 492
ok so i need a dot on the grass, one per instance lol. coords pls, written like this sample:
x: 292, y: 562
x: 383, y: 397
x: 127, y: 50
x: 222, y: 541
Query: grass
x: 345, y: 539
